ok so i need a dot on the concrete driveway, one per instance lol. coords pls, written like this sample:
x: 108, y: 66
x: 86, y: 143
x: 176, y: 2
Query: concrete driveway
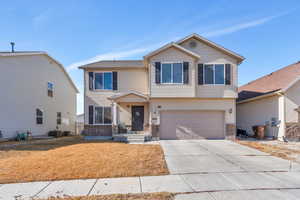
x: 215, y: 156
x: 220, y: 168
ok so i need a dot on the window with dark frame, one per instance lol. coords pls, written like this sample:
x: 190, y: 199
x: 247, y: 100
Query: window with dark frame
x: 102, y: 115
x: 58, y: 118
x: 39, y: 116
x: 172, y: 73
x: 214, y: 74
x: 103, y: 81
x: 50, y: 88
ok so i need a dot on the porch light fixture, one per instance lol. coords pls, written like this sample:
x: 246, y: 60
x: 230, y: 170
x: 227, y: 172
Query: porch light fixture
x: 159, y: 106
x: 230, y: 110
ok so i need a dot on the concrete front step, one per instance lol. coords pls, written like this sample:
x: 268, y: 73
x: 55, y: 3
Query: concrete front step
x: 131, y: 138
x: 135, y: 137
x: 136, y: 141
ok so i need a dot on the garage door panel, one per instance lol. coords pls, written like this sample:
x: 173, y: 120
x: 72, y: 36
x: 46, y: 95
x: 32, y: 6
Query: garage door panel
x: 191, y: 124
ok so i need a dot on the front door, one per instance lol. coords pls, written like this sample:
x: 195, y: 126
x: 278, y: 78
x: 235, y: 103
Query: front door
x: 137, y: 122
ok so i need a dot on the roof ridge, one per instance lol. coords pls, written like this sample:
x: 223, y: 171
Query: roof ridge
x: 270, y: 74
x: 22, y: 52
x: 119, y: 60
x: 214, y: 44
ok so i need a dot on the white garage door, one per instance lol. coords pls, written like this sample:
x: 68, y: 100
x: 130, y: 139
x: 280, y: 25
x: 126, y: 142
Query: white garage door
x: 191, y: 125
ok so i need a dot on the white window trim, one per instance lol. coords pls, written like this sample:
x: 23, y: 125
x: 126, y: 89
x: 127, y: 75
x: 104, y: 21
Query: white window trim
x: 102, y: 115
x: 52, y: 85
x: 171, y: 83
x: 94, y: 79
x: 50, y: 89
x: 214, y: 78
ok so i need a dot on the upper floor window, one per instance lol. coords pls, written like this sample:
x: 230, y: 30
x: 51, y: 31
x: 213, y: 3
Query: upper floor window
x: 214, y: 74
x: 39, y: 116
x: 171, y: 73
x: 50, y: 88
x: 103, y: 81
x: 102, y: 115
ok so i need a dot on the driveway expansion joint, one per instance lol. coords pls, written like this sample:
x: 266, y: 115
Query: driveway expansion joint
x: 186, y: 182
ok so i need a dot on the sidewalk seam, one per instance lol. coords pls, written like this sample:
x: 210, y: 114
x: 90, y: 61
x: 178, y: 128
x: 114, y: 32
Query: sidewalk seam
x: 141, y: 187
x: 42, y: 189
x: 92, y: 187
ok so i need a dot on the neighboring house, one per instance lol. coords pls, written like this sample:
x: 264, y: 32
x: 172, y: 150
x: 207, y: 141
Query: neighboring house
x: 183, y: 90
x: 80, y: 119
x: 79, y: 124
x: 37, y: 94
x: 272, y: 100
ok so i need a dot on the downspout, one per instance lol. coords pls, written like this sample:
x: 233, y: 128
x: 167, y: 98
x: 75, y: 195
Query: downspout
x: 282, y: 116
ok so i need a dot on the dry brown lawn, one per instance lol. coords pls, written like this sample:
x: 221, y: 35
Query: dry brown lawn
x: 77, y: 159
x: 146, y: 196
x: 275, y: 150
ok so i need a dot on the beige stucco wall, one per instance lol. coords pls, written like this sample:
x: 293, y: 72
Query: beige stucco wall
x: 292, y: 102
x: 172, y: 90
x: 258, y: 113
x: 128, y: 79
x: 193, y: 104
x: 23, y: 86
x: 210, y: 55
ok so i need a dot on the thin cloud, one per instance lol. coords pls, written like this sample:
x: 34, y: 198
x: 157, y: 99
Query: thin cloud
x: 116, y: 55
x: 136, y: 51
x: 108, y: 56
x: 241, y: 26
x: 41, y: 18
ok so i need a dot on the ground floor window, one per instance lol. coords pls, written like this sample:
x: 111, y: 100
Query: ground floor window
x: 39, y: 116
x: 58, y: 118
x: 102, y: 115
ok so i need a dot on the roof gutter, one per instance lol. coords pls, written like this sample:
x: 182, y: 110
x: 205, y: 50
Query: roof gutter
x: 279, y: 93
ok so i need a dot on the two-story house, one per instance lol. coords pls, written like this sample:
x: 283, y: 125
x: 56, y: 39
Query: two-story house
x: 183, y: 90
x: 37, y: 94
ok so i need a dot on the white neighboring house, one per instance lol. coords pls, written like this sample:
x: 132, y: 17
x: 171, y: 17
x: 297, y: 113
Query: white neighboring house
x: 272, y: 100
x: 37, y: 94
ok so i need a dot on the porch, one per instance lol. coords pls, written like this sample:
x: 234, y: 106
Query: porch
x: 130, y: 117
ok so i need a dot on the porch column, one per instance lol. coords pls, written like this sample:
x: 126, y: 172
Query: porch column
x: 114, y: 108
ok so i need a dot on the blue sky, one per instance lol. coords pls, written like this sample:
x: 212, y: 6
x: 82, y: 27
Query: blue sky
x: 266, y: 33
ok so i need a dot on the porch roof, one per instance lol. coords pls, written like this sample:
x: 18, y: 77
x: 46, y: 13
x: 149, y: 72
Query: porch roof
x: 132, y: 96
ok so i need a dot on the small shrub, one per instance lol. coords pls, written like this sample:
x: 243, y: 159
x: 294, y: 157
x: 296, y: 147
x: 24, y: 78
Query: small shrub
x: 66, y: 133
x: 55, y: 133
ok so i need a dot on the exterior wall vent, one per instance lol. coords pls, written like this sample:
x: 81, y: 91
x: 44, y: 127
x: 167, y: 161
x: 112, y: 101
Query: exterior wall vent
x: 193, y: 44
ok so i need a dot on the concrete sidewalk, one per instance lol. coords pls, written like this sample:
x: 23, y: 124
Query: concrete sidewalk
x: 207, y: 182
x: 285, y: 194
